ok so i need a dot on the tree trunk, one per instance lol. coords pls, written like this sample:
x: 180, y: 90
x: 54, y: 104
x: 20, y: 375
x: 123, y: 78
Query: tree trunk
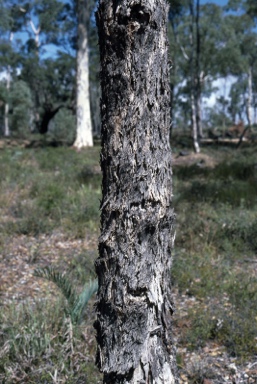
x: 199, y: 116
x: 194, y: 125
x: 36, y: 31
x: 193, y: 77
x: 47, y: 115
x: 250, y: 97
x: 198, y: 90
x: 172, y: 96
x: 134, y: 305
x: 84, y: 135
x: 6, y: 107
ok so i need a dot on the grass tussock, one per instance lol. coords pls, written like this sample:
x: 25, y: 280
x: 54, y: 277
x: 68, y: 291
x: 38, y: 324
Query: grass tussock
x: 40, y: 345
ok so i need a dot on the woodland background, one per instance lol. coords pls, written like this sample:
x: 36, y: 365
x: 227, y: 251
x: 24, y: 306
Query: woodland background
x: 213, y: 73
x: 49, y: 194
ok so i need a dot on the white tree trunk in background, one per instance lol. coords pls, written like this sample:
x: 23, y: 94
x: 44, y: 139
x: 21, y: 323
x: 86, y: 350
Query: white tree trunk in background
x: 6, y: 107
x: 84, y: 135
x: 250, y: 96
x: 194, y: 125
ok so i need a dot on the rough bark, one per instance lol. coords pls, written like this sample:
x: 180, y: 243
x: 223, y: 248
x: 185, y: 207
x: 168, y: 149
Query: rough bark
x: 134, y: 305
x: 84, y: 135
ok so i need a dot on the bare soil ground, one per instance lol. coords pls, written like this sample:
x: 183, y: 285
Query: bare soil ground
x: 191, y: 158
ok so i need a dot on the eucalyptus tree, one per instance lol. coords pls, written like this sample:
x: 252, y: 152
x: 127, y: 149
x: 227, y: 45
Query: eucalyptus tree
x: 9, y: 25
x: 181, y: 15
x: 251, y: 7
x: 84, y: 134
x: 76, y: 20
x: 43, y: 30
x: 197, y: 31
x: 5, y: 63
x: 134, y: 305
x: 55, y: 78
x: 21, y: 106
x: 237, y: 93
x: 176, y: 11
x: 209, y: 39
x: 255, y: 96
x: 243, y: 23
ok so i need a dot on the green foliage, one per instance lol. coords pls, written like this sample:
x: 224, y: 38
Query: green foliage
x: 3, y: 92
x: 50, y: 198
x: 21, y: 105
x: 63, y: 127
x: 76, y: 303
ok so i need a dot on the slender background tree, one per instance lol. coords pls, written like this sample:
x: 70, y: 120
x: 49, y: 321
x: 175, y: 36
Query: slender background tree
x: 84, y: 132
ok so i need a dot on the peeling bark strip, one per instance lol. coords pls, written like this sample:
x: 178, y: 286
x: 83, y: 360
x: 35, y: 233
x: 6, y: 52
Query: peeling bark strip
x: 134, y: 301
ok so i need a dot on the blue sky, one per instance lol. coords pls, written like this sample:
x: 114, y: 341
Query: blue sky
x: 218, y: 2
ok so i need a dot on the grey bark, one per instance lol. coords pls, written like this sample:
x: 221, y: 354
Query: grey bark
x: 134, y: 305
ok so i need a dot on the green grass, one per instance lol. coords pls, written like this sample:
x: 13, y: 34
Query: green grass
x: 37, y: 344
x: 51, y: 189
x: 215, y: 251
x: 46, y: 191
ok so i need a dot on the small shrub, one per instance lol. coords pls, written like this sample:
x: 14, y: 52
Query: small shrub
x: 31, y: 221
x: 50, y: 198
x: 88, y: 176
x: 63, y: 127
x: 251, y: 236
x: 199, y: 370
